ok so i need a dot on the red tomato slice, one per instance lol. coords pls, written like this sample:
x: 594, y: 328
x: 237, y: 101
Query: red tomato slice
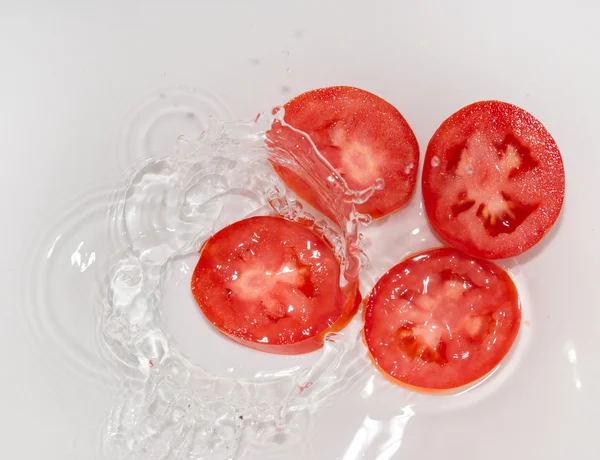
x: 364, y: 138
x: 441, y: 320
x: 493, y: 180
x: 272, y: 285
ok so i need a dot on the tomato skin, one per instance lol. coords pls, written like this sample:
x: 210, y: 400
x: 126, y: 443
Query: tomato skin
x: 441, y: 320
x: 493, y: 180
x: 364, y: 138
x: 272, y: 285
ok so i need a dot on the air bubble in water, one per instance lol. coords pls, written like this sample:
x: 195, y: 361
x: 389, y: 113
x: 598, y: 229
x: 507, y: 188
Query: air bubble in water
x: 435, y: 162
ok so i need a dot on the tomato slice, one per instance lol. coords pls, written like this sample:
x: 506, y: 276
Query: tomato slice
x: 272, y: 285
x: 493, y: 180
x: 363, y: 137
x: 441, y: 320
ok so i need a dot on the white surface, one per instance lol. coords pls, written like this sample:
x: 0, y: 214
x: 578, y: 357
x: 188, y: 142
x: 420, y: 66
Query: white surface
x: 70, y: 74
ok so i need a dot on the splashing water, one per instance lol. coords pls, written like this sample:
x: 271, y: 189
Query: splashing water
x: 171, y: 406
x: 200, y: 399
x: 181, y: 389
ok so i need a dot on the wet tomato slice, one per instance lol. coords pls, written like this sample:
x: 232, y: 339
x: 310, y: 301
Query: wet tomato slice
x: 272, y: 285
x: 441, y: 320
x: 493, y: 180
x: 363, y: 137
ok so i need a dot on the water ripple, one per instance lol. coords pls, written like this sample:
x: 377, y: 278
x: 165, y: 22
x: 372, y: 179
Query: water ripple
x: 154, y: 126
x: 57, y: 285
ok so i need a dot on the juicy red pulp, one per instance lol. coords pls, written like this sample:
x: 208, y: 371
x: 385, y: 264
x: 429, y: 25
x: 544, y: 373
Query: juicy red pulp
x: 273, y: 285
x: 441, y: 319
x: 363, y: 137
x: 507, y: 220
x: 493, y: 180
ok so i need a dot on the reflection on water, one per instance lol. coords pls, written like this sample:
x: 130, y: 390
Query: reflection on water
x: 378, y: 439
x: 82, y: 260
x: 59, y: 274
x: 572, y: 358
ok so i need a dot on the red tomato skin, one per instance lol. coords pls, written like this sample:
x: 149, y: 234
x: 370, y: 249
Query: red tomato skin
x: 545, y: 183
x: 370, y: 121
x: 475, y: 371
x: 218, y: 261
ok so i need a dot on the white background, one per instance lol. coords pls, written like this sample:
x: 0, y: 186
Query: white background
x: 71, y: 72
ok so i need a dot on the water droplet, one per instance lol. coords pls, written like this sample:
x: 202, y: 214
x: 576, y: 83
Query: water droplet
x: 379, y: 184
x: 408, y: 168
x: 435, y: 162
x: 289, y: 71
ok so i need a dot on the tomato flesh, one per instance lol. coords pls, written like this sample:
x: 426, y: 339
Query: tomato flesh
x: 363, y: 137
x: 273, y: 285
x: 493, y: 180
x: 441, y: 320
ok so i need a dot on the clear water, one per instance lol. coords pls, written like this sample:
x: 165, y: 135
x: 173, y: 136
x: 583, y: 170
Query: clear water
x: 181, y: 389
x: 164, y: 212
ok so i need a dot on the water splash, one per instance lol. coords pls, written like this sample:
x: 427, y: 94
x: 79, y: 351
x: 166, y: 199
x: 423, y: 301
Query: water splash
x: 175, y: 402
x: 171, y: 405
x: 172, y: 400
